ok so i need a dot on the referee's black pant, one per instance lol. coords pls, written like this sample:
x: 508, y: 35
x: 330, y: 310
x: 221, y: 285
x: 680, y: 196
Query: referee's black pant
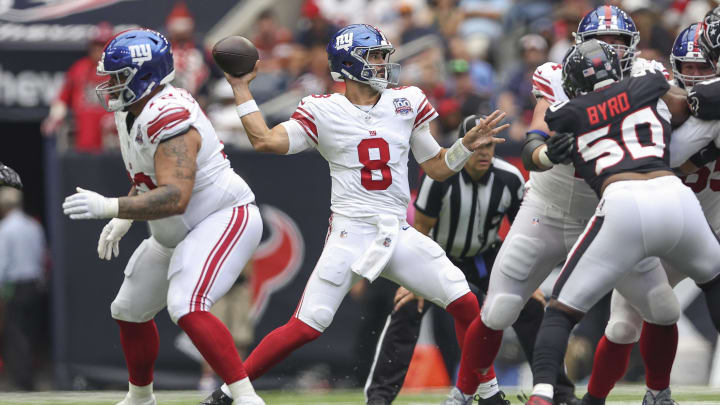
x: 397, y: 341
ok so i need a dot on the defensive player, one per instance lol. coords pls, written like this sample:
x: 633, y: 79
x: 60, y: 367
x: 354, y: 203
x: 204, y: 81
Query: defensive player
x: 365, y: 135
x: 9, y: 177
x: 657, y: 344
x: 623, y: 154
x: 203, y: 222
x: 557, y: 205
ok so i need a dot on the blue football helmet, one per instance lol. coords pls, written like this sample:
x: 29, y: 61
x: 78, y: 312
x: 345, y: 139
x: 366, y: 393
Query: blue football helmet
x: 687, y: 49
x: 348, y: 53
x: 610, y: 20
x: 137, y: 61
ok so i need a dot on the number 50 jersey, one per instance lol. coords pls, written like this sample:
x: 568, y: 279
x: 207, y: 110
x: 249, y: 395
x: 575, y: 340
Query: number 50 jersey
x: 624, y: 127
x: 367, y: 151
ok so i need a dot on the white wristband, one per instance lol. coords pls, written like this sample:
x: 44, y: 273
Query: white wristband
x: 246, y: 108
x: 543, y: 157
x: 112, y: 206
x: 457, y: 155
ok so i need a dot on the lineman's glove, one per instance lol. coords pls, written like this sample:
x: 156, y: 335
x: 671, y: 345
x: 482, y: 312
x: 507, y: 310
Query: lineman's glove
x: 109, y: 242
x: 560, y: 148
x: 86, y: 204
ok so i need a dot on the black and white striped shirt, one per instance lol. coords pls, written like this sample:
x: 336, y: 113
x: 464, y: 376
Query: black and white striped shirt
x: 469, y: 213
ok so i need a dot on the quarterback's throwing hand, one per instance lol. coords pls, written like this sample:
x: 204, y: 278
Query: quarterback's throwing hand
x: 109, y: 242
x: 9, y: 177
x: 484, y: 132
x: 86, y: 204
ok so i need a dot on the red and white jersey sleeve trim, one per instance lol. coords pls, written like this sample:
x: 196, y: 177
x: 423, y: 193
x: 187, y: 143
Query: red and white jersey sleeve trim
x: 426, y: 112
x: 168, y: 122
x: 307, y: 121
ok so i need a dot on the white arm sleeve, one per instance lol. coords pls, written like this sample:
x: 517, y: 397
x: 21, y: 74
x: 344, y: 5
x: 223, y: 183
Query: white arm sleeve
x: 422, y: 143
x: 690, y: 137
x: 297, y: 138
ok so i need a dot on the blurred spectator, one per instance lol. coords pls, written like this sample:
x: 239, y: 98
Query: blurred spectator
x: 191, y: 70
x: 653, y: 35
x: 22, y: 282
x: 224, y: 118
x: 78, y: 95
x: 316, y: 79
x: 449, y: 118
x: 315, y: 29
x: 274, y: 46
x: 470, y: 100
x: 410, y: 30
x: 516, y: 98
x: 447, y: 17
x: 268, y: 34
x: 483, y: 21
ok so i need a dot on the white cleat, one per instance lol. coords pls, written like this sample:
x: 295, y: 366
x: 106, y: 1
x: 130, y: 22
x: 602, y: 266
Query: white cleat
x: 455, y: 397
x: 138, y: 401
x: 662, y: 398
x: 249, y: 400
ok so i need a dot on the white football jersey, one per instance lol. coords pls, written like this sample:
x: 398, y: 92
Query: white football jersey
x: 685, y: 141
x: 170, y: 113
x: 367, y: 151
x: 561, y: 186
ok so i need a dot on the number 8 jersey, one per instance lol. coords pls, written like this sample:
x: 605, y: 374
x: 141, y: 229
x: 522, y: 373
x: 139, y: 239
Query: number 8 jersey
x: 367, y: 151
x: 624, y: 127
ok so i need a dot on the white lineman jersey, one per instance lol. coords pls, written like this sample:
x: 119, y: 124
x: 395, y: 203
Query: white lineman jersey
x: 367, y: 151
x: 170, y: 113
x: 561, y: 186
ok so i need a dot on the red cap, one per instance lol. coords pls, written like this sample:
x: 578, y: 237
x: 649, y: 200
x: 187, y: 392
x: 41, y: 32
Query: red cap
x: 180, y: 18
x: 101, y: 33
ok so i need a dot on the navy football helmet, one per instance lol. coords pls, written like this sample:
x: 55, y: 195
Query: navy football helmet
x: 610, y: 20
x: 709, y: 40
x: 687, y: 49
x: 137, y: 61
x: 348, y: 53
x: 588, y: 66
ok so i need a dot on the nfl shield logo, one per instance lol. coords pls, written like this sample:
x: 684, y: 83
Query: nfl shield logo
x: 138, y: 138
x: 387, y: 242
x: 402, y: 106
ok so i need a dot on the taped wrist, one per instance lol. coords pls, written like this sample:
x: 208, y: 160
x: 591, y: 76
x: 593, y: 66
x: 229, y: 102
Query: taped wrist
x: 457, y: 155
x: 246, y: 108
x: 533, y: 140
x: 111, y: 207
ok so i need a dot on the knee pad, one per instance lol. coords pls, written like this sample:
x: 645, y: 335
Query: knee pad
x: 664, y: 306
x: 501, y: 311
x: 124, y: 310
x: 318, y: 316
x: 519, y: 256
x: 622, y: 331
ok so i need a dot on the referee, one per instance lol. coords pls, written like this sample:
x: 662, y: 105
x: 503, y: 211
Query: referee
x: 463, y: 215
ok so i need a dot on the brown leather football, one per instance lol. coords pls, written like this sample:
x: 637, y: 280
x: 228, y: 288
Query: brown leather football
x: 235, y: 55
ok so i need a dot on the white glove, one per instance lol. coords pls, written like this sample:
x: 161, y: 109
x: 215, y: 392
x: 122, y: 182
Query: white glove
x: 86, y: 204
x: 110, y: 236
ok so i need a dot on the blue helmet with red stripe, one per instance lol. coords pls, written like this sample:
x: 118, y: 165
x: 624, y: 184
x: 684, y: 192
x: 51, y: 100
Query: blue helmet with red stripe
x: 687, y: 49
x: 610, y: 20
x: 348, y: 53
x: 137, y: 61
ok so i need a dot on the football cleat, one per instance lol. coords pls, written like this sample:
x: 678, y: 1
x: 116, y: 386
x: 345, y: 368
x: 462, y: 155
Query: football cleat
x: 455, y: 397
x: 134, y: 401
x: 538, y: 400
x: 249, y: 400
x: 497, y: 399
x: 218, y: 397
x: 565, y: 398
x: 377, y: 401
x: 662, y: 398
x: 591, y: 400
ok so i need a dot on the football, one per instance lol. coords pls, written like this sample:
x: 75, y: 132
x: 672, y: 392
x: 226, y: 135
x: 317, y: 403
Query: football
x: 235, y: 55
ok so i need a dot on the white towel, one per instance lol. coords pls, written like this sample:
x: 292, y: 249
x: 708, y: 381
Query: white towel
x: 372, y: 262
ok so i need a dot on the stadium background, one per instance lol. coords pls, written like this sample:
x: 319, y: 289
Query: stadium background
x: 468, y: 56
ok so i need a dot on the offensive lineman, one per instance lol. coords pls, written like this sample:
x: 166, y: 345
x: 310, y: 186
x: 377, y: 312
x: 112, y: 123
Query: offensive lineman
x: 203, y: 222
x: 365, y: 135
x: 557, y: 207
x: 623, y: 154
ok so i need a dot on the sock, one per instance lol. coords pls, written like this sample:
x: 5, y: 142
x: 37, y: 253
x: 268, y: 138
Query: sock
x: 214, y: 341
x: 463, y: 310
x: 140, y: 392
x: 658, y: 344
x: 609, y: 366
x: 277, y: 345
x: 550, y: 345
x: 241, y: 388
x: 488, y: 388
x: 226, y: 390
x: 482, y: 346
x: 140, y: 343
x: 544, y: 390
x: 654, y: 392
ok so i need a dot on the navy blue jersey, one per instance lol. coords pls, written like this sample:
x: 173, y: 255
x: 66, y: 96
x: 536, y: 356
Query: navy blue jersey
x: 617, y: 129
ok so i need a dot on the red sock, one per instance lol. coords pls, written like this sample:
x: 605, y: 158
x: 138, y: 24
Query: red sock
x: 609, y: 365
x: 140, y: 343
x: 277, y: 345
x: 214, y: 341
x: 658, y: 344
x: 481, y: 347
x: 464, y: 310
